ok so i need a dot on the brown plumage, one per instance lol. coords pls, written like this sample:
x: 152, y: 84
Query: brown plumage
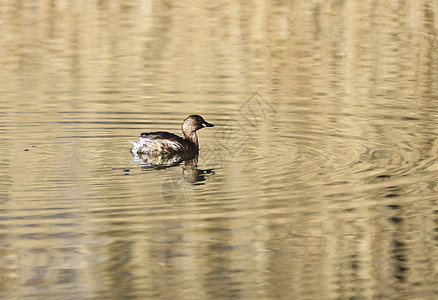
x: 165, y: 143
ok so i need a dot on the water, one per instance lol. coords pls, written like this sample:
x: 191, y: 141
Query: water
x: 318, y: 180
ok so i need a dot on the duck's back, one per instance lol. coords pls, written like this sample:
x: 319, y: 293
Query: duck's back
x: 160, y: 135
x: 162, y: 142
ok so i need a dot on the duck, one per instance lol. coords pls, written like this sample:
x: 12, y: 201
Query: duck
x: 162, y: 143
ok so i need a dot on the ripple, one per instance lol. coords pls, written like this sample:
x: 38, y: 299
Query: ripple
x: 330, y: 160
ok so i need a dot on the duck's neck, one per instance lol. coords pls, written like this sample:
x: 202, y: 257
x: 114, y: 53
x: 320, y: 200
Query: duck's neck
x: 192, y: 137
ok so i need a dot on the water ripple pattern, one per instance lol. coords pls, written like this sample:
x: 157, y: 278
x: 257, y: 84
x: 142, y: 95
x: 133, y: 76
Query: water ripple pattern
x: 318, y: 181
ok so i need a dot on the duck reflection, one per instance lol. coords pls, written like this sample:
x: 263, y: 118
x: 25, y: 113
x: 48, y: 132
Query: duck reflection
x: 192, y: 174
x: 189, y: 162
x: 176, y: 189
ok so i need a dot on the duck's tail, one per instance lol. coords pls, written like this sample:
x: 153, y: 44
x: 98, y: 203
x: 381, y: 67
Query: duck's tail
x: 135, y: 147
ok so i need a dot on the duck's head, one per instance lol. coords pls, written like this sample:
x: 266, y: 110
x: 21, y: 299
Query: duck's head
x: 193, y: 123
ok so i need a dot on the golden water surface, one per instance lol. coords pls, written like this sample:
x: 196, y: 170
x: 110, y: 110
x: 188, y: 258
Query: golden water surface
x: 318, y: 181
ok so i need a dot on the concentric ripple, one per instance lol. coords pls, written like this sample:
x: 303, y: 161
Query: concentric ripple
x: 326, y: 158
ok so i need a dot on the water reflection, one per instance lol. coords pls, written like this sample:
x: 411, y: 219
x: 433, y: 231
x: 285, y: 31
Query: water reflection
x: 162, y: 161
x: 175, y: 189
x: 327, y: 190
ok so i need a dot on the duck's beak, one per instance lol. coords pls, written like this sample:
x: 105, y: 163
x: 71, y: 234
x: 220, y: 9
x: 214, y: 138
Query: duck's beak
x: 206, y: 124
